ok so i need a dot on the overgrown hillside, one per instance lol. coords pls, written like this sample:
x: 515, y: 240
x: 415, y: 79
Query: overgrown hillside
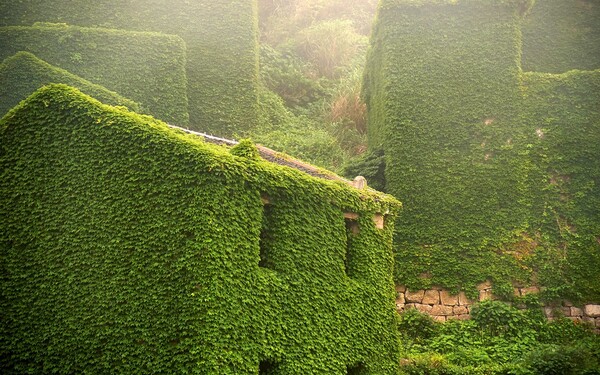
x: 312, y: 58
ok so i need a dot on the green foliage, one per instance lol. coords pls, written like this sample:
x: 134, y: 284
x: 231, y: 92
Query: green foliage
x: 370, y: 165
x: 316, y: 60
x: 499, y: 340
x: 221, y: 48
x: 441, y: 112
x: 245, y: 149
x: 282, y: 19
x: 347, y: 111
x: 23, y: 73
x: 299, y: 136
x: 561, y: 360
x: 417, y: 325
x: 148, y: 68
x: 129, y: 247
x: 498, y: 170
x: 561, y: 35
x: 329, y: 46
x: 563, y: 112
x: 498, y: 318
x: 284, y: 74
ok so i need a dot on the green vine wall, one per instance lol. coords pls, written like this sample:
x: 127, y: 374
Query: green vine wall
x: 560, y: 35
x: 472, y: 154
x: 23, y: 73
x: 222, y: 48
x: 129, y: 247
x: 148, y: 68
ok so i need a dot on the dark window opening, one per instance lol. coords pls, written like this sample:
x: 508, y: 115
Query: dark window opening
x: 266, y: 238
x: 357, y: 369
x: 352, y: 230
x: 267, y: 367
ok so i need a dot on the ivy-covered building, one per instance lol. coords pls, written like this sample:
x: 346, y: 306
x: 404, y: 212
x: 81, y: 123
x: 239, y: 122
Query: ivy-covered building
x: 498, y: 167
x: 128, y: 246
x: 190, y: 63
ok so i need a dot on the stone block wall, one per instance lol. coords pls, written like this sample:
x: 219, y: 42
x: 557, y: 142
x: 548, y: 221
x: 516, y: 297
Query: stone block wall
x: 444, y: 306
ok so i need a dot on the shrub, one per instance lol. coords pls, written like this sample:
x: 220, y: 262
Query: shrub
x: 416, y: 325
x: 329, y: 46
x: 552, y: 359
x: 286, y: 75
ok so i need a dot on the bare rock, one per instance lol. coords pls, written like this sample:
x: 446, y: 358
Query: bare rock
x: 414, y: 297
x: 424, y: 308
x: 448, y: 299
x: 460, y: 310
x: 575, y: 311
x: 592, y: 310
x: 441, y: 310
x: 431, y: 297
x: 400, y: 299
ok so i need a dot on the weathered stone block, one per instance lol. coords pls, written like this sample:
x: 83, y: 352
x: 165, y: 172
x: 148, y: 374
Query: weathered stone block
x: 400, y: 288
x: 448, y: 299
x: 439, y: 318
x: 424, y: 308
x: 414, y: 297
x: 516, y: 292
x: 431, y: 297
x: 567, y: 303
x: 576, y: 311
x: 400, y: 298
x: 460, y: 310
x: 441, y: 310
x: 592, y: 310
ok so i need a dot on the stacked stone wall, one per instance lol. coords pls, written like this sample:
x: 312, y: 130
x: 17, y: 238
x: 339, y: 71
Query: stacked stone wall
x: 442, y: 305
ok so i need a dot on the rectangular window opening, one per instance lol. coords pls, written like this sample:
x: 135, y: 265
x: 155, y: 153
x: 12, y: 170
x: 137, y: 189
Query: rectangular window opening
x: 356, y: 369
x: 352, y: 229
x: 268, y: 367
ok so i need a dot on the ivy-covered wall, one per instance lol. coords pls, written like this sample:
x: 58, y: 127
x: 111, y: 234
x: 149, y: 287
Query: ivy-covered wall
x: 130, y: 247
x: 560, y: 35
x: 563, y: 111
x: 467, y: 152
x: 148, y: 68
x: 221, y: 38
x: 442, y: 87
x: 23, y: 73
